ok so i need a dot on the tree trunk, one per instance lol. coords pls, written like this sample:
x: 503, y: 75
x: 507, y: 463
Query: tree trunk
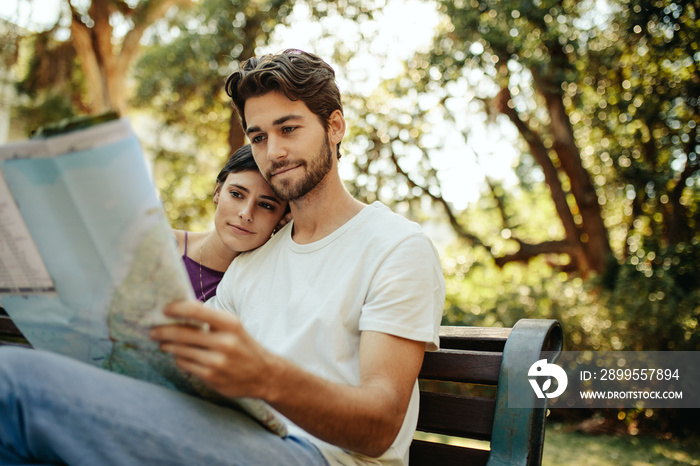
x: 594, y: 234
x: 236, y: 135
x: 82, y: 39
x: 575, y: 248
x: 104, y: 62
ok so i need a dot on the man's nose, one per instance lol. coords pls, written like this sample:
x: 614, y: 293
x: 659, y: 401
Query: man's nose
x: 276, y: 148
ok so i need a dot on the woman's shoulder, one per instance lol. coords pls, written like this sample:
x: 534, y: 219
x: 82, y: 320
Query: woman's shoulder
x: 181, y: 238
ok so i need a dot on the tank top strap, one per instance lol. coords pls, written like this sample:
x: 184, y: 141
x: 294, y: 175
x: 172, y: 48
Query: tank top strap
x: 185, y: 254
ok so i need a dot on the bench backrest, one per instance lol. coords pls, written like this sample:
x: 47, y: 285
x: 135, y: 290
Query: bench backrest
x: 464, y: 395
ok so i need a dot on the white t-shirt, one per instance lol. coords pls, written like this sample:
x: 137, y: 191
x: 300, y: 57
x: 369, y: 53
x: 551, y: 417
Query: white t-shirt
x: 311, y: 302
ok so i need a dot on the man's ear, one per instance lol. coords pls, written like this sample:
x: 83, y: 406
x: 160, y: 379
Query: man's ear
x: 336, y: 127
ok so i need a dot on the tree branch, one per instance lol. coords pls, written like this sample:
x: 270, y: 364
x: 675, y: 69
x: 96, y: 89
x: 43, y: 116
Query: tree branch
x: 527, y: 251
x: 596, y: 245
x: 499, y: 203
x: 145, y: 14
x: 439, y: 199
x: 539, y: 152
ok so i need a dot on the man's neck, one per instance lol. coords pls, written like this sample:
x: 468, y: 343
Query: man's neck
x: 323, y: 210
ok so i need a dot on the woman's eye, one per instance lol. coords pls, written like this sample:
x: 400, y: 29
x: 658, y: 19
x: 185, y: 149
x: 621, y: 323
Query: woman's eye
x: 236, y: 194
x: 267, y: 206
x: 288, y: 129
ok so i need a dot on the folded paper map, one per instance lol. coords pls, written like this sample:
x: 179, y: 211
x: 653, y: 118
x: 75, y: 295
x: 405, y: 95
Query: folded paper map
x: 88, y: 260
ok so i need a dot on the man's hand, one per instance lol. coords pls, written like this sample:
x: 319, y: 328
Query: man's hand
x: 364, y: 418
x: 219, y: 351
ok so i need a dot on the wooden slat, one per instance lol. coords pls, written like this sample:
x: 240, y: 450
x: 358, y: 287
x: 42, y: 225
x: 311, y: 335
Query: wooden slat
x: 462, y: 366
x: 474, y: 338
x: 9, y: 333
x: 438, y: 454
x: 456, y: 415
x: 8, y: 327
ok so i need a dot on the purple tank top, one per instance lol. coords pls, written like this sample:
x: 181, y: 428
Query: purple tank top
x: 204, y: 283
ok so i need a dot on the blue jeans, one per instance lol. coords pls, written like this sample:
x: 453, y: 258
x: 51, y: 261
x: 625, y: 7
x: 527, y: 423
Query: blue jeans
x: 59, y: 411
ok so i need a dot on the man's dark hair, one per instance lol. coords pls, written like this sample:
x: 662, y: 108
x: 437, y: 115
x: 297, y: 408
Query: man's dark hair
x: 297, y: 74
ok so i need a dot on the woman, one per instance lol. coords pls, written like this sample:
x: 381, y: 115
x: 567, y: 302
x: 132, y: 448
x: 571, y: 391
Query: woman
x: 247, y: 214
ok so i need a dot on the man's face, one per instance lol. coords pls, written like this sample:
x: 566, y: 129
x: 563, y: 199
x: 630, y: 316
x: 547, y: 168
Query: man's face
x: 290, y: 145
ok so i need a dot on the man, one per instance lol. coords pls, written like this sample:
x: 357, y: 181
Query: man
x: 328, y: 320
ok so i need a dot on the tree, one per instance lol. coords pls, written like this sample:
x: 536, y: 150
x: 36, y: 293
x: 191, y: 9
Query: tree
x: 605, y: 102
x: 549, y: 69
x: 105, y: 37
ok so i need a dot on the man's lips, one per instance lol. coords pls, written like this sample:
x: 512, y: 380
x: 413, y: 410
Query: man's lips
x: 284, y: 169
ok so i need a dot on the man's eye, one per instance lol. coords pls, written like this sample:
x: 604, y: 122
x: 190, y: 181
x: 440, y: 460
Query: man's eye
x: 288, y: 129
x: 257, y: 139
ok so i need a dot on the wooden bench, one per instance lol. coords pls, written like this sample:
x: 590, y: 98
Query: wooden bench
x: 9, y: 333
x: 464, y: 394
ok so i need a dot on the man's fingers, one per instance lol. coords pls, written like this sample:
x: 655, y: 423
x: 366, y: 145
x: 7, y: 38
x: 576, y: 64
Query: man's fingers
x: 199, y: 371
x: 196, y: 312
x: 181, y: 334
x: 195, y: 355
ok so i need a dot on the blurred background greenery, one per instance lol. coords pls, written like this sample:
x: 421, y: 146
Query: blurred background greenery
x: 591, y: 217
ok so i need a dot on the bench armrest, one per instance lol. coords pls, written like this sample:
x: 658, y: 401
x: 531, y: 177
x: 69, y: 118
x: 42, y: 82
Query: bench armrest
x: 518, y: 433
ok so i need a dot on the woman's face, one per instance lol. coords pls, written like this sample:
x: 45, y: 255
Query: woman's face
x: 247, y: 211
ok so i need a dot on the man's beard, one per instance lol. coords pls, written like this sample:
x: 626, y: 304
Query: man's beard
x: 290, y: 190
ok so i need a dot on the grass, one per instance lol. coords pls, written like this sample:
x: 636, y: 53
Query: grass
x: 578, y: 449
x: 563, y: 447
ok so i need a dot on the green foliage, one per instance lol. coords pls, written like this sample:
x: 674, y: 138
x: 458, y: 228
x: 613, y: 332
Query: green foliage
x: 566, y: 447
x: 52, y: 85
x: 479, y: 293
x: 50, y: 108
x: 655, y: 302
x: 636, y: 116
x: 653, y: 305
x: 187, y: 198
x: 627, y: 77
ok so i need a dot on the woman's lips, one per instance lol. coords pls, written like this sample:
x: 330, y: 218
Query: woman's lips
x: 240, y: 229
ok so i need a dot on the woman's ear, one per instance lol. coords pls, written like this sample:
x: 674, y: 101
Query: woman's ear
x: 217, y: 192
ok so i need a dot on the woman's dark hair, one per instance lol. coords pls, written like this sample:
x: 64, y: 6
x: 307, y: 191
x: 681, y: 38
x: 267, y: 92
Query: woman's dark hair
x: 297, y: 74
x: 240, y: 161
